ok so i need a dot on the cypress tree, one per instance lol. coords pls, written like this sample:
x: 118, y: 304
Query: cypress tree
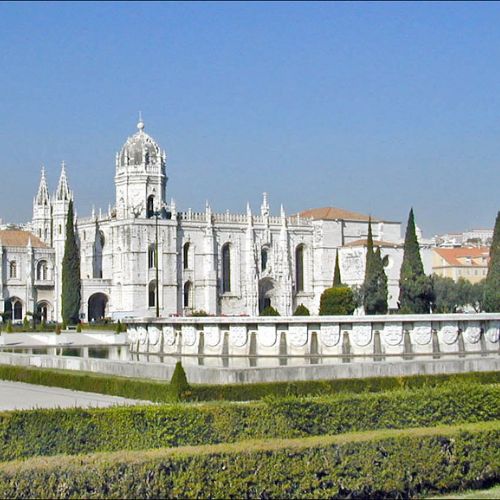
x: 374, y: 290
x: 491, y: 302
x: 415, y: 288
x: 337, y: 279
x: 71, y: 284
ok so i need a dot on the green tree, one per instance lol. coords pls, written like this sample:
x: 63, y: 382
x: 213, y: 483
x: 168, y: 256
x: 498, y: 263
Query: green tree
x: 492, y: 281
x: 301, y: 310
x: 337, y: 279
x: 374, y: 289
x: 445, y: 294
x: 71, y: 284
x: 337, y: 300
x: 415, y: 288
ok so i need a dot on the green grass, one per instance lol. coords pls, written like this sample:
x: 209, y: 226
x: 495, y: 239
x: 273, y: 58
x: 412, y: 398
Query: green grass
x: 489, y: 493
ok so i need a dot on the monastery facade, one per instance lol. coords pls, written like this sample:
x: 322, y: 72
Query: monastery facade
x: 222, y: 264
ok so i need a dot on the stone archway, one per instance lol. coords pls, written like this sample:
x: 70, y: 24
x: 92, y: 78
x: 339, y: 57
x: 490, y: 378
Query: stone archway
x: 44, y: 311
x: 267, y: 293
x: 97, y: 306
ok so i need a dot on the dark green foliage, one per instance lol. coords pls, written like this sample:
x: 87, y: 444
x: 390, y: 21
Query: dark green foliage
x: 415, y: 288
x: 199, y: 314
x: 374, y: 289
x: 337, y: 278
x: 71, y: 283
x: 178, y: 383
x: 382, y: 464
x: 492, y: 282
x: 9, y: 327
x: 301, y: 310
x: 337, y: 301
x: 58, y: 329
x: 74, y: 430
x: 152, y: 390
x: 451, y: 296
x: 269, y: 311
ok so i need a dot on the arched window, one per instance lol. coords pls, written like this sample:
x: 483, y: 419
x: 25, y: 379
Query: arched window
x: 299, y: 268
x: 150, y: 208
x: 42, y: 271
x: 263, y: 258
x: 13, y: 269
x: 46, y: 233
x: 185, y: 255
x: 226, y: 268
x: 39, y: 232
x: 151, y: 256
x: 152, y: 294
x: 188, y: 301
x: 18, y: 310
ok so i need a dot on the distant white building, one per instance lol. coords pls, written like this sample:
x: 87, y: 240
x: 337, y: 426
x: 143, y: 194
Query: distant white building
x: 221, y: 263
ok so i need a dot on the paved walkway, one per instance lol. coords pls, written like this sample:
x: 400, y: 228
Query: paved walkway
x: 20, y: 396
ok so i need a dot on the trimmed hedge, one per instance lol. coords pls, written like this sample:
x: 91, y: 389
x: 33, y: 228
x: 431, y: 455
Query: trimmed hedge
x: 71, y: 431
x: 163, y: 392
x: 378, y: 464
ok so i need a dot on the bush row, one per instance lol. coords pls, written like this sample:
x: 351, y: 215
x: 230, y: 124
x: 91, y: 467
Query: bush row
x: 157, y: 391
x: 381, y: 464
x: 71, y: 431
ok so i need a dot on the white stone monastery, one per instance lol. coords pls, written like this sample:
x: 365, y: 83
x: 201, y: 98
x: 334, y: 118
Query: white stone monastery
x: 222, y: 264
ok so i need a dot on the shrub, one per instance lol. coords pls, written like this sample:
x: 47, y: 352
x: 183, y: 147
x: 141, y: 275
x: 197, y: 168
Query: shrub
x: 381, y: 464
x: 79, y: 328
x: 301, y: 310
x: 58, y: 329
x: 75, y: 430
x: 179, y: 383
x: 269, y: 311
x: 9, y: 328
x: 337, y: 301
x: 199, y: 314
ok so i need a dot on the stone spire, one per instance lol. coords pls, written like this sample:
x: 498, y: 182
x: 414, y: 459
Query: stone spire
x: 264, y: 208
x: 63, y: 192
x: 42, y: 197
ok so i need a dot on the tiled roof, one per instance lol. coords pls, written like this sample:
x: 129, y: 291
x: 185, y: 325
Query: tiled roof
x: 377, y: 243
x: 332, y: 213
x: 17, y: 238
x: 453, y: 255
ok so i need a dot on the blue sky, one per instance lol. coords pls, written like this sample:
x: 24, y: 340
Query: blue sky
x: 364, y: 106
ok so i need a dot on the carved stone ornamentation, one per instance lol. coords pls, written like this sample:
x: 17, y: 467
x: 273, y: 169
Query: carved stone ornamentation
x: 154, y: 335
x: 169, y: 335
x: 392, y: 334
x: 143, y: 334
x: 266, y: 335
x: 212, y: 335
x: 188, y: 335
x: 449, y: 332
x: 238, y: 335
x: 362, y: 334
x: 330, y: 334
x: 493, y: 332
x: 422, y: 333
x: 472, y: 333
x: 297, y: 335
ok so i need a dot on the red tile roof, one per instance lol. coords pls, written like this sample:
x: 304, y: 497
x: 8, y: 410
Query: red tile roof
x: 377, y: 243
x: 18, y: 238
x: 453, y: 255
x: 332, y: 213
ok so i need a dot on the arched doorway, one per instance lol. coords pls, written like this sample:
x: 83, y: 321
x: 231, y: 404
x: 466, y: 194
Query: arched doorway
x: 13, y: 309
x: 97, y: 307
x: 43, y: 311
x: 267, y: 292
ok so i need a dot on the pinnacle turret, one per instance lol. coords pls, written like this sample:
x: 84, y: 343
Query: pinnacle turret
x: 63, y: 192
x: 42, y: 197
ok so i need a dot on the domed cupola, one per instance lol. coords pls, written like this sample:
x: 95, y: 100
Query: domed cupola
x: 140, y: 150
x: 140, y: 177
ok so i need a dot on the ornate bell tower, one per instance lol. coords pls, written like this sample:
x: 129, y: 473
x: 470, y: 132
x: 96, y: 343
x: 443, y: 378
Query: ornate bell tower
x: 140, y: 177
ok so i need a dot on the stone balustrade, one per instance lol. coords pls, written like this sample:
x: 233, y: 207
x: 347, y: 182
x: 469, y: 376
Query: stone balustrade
x: 356, y: 338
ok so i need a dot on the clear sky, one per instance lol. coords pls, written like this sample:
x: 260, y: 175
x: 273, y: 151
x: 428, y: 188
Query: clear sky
x: 363, y: 106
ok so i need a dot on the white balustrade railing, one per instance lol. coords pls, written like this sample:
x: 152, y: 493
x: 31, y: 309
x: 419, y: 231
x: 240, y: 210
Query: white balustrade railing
x: 368, y: 337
